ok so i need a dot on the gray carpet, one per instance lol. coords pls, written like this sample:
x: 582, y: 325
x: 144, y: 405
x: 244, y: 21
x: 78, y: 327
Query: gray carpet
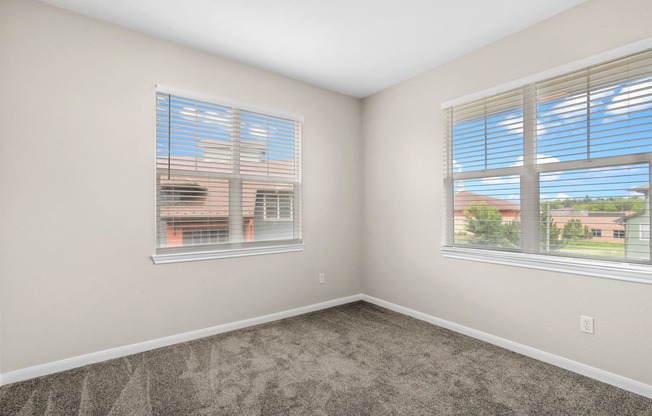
x: 356, y: 359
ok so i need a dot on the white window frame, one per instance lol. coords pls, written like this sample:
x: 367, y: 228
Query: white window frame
x: 250, y: 249
x: 529, y: 256
x: 277, y: 204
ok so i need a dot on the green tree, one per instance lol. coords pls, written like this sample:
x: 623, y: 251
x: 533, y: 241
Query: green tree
x: 513, y: 232
x: 574, y: 230
x: 487, y: 228
x: 549, y: 234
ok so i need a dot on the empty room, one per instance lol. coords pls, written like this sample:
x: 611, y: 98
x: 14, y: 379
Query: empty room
x: 416, y: 207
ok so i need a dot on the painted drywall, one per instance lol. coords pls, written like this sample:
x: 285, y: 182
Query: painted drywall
x: 77, y: 128
x: 403, y: 182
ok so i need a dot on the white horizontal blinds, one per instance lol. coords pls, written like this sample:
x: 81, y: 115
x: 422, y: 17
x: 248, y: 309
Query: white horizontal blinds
x: 602, y: 116
x: 486, y: 212
x: 488, y: 133
x: 572, y: 155
x: 215, y: 166
x: 596, y: 212
x: 485, y: 135
x: 601, y: 111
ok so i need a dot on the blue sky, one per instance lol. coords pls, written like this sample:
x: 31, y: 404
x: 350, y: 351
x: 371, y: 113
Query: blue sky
x: 194, y: 122
x: 619, y: 122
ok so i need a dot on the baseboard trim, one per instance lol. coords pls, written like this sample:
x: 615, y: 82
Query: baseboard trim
x: 97, y: 357
x: 565, y: 363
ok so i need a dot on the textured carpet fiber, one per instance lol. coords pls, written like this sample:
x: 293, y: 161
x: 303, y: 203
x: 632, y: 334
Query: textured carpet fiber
x: 356, y: 359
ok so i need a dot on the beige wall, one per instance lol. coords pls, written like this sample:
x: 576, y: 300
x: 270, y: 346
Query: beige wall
x: 77, y: 120
x: 403, y: 187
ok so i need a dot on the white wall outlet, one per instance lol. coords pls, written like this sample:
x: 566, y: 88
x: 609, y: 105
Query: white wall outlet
x: 586, y: 324
x: 322, y: 278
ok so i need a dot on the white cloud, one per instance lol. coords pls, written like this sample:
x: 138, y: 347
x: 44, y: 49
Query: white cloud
x: 515, y: 124
x: 631, y: 98
x: 569, y: 107
x: 562, y: 196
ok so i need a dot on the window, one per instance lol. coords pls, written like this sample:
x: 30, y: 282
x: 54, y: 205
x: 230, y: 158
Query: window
x: 277, y: 206
x: 546, y: 168
x: 228, y: 179
x: 203, y: 236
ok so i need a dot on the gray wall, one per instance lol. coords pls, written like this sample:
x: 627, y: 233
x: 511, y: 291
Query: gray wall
x: 403, y: 133
x: 77, y: 131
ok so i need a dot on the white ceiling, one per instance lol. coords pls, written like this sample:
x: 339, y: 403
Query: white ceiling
x: 356, y: 47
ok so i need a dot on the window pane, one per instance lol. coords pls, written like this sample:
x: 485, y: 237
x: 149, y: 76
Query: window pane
x: 562, y: 127
x: 600, y: 112
x: 269, y: 208
x: 487, y: 212
x: 188, y: 205
x: 600, y: 212
x: 488, y: 134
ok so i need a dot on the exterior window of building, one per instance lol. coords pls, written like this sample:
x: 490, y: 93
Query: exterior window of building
x: 214, y: 163
x: 277, y: 206
x: 559, y: 167
x: 204, y: 236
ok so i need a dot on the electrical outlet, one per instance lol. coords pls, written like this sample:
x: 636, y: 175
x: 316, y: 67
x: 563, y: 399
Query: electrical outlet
x: 586, y: 324
x: 322, y: 278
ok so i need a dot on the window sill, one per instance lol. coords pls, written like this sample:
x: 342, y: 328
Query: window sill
x: 597, y: 268
x: 224, y: 254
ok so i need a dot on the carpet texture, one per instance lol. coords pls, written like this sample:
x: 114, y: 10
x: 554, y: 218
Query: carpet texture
x: 356, y: 359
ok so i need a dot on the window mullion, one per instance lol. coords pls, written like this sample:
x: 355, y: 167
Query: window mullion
x: 530, y: 215
x: 449, y: 188
x: 648, y: 208
x: 236, y: 222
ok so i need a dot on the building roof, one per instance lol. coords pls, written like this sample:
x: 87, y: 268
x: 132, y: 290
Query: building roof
x: 643, y: 189
x: 199, y: 188
x: 629, y: 217
x: 464, y: 200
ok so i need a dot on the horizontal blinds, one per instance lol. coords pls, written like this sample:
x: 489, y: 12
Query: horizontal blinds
x: 225, y: 175
x: 488, y: 133
x: 596, y: 212
x: 601, y: 111
x: 490, y: 218
x: 558, y: 167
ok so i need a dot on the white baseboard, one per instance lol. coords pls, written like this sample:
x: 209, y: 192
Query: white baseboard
x: 579, y: 368
x: 97, y: 357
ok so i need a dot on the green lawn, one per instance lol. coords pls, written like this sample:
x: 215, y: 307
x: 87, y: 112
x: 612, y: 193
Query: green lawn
x: 578, y: 248
x: 594, y: 248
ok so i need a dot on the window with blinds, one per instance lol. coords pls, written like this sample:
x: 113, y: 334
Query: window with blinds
x: 558, y: 167
x: 226, y: 178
